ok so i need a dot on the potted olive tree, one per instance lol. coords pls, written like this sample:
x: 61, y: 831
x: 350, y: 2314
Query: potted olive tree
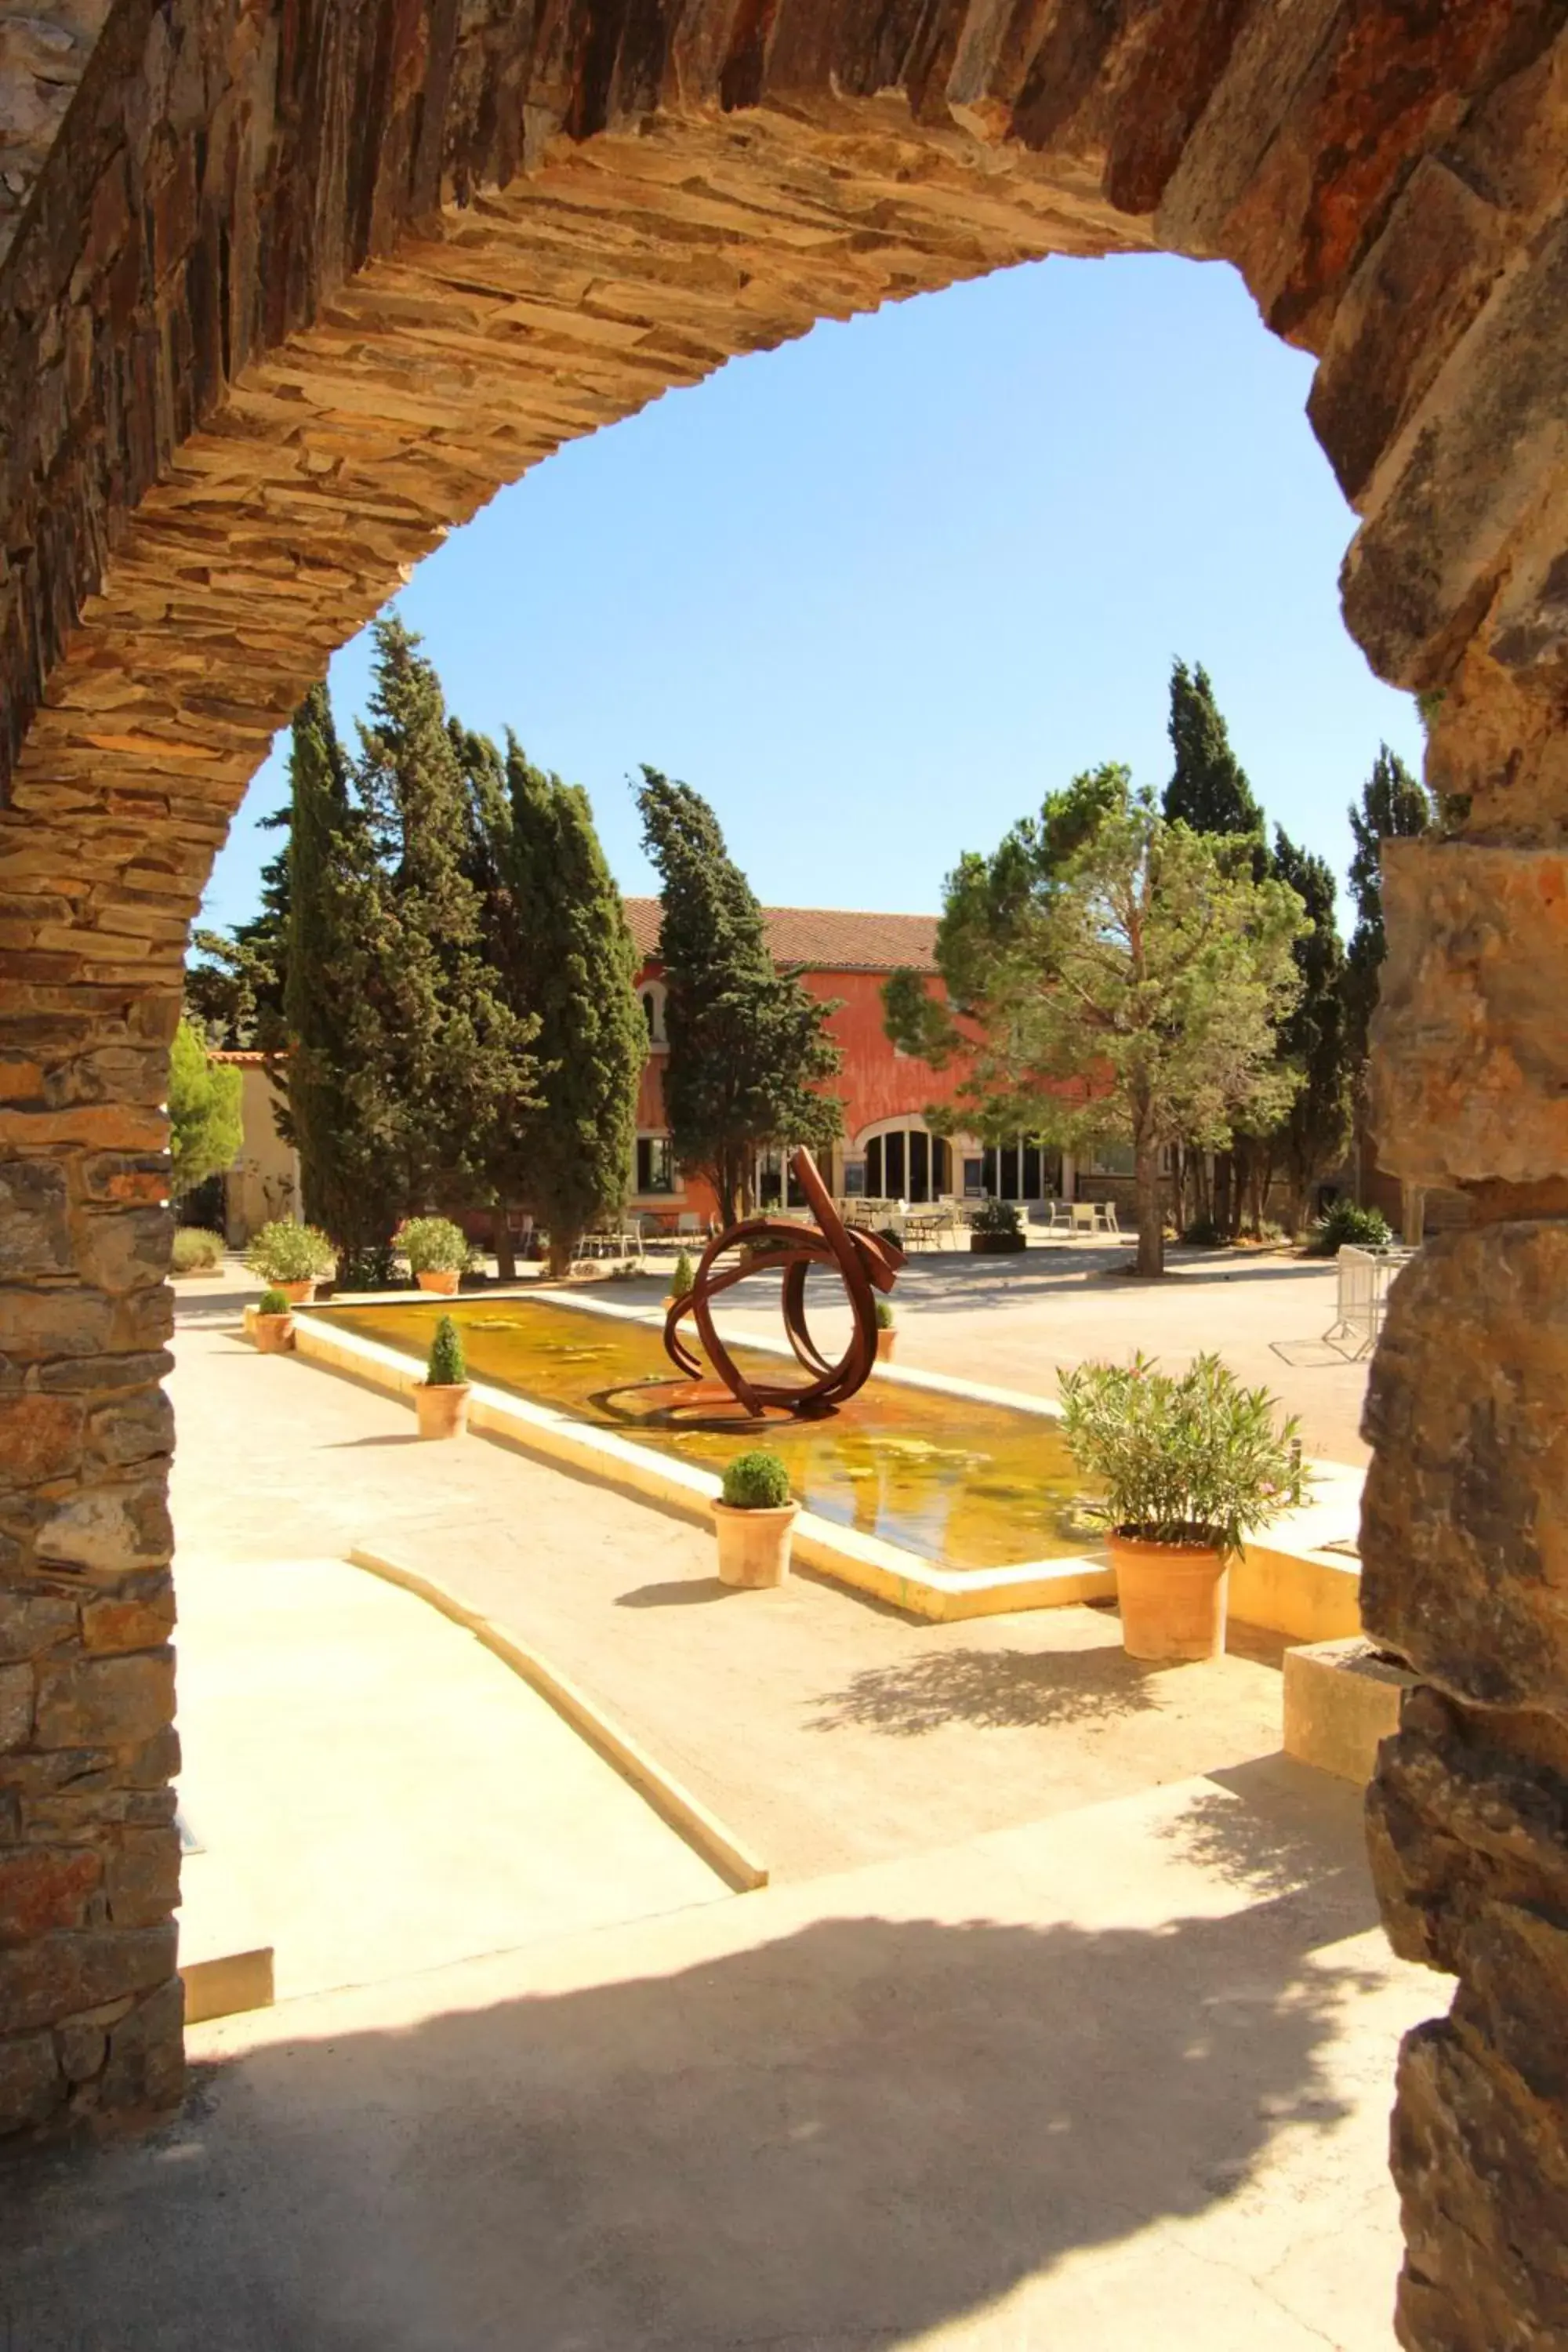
x: 997, y: 1229
x: 272, y: 1324
x: 437, y: 1253
x: 755, y: 1516
x: 441, y: 1398
x: 1189, y: 1463
x: 887, y: 1331
x: 291, y: 1257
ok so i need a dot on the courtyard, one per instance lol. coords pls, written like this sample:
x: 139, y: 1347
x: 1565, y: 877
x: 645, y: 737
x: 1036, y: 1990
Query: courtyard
x: 1063, y: 2014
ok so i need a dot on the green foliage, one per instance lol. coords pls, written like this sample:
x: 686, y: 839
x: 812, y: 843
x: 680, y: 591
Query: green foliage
x: 1190, y: 1458
x: 749, y: 1049
x: 235, y: 986
x: 1133, y: 999
x: 557, y: 937
x: 997, y: 1217
x: 757, y: 1480
x: 433, y: 1245
x: 1348, y: 1221
x: 1205, y: 1234
x: 273, y: 1302
x: 685, y: 1274
x: 196, y: 1251
x: 884, y: 1314
x: 445, y: 1367
x: 1208, y: 788
x: 375, y: 1268
x: 1313, y: 1039
x: 1394, y: 805
x: 205, y: 1125
x: 285, y: 1252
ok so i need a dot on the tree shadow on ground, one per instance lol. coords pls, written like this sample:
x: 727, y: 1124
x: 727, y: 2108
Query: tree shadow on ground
x: 846, y: 2136
x: 995, y: 1690
x: 1271, y: 1842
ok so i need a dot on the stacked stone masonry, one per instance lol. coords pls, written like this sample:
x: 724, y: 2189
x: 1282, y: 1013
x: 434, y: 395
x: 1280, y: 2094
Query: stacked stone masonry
x: 294, y: 286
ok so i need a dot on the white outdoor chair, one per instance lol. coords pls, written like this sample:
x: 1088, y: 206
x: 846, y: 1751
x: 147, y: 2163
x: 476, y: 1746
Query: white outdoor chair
x: 1105, y: 1217
x: 1082, y: 1216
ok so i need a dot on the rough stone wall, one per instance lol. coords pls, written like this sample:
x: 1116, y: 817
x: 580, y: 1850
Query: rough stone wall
x: 43, y: 48
x: 299, y: 286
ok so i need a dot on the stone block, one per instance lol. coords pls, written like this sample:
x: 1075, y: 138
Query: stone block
x: 44, y: 1887
x: 145, y: 2067
x: 139, y: 1619
x: 109, y: 1701
x: 142, y: 1876
x: 57, y: 1976
x: 1467, y: 1072
x: 1342, y: 1698
x: 29, y: 2080
x: 15, y: 1707
x: 120, y: 1250
x: 40, y: 1438
x: 32, y: 1623
x: 111, y: 1530
x: 132, y: 1428
x: 1464, y: 1538
x: 34, y: 1238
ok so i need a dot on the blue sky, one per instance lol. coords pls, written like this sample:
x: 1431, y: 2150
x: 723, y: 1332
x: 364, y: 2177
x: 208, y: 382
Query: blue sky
x: 876, y: 592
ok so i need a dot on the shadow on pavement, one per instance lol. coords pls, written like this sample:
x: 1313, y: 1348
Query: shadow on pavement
x: 996, y: 1689
x: 679, y: 1592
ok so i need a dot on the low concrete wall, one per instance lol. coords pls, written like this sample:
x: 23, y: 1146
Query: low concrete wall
x: 1341, y: 1699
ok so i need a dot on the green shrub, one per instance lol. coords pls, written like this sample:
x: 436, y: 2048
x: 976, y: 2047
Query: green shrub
x: 272, y: 1302
x: 196, y: 1251
x: 1189, y: 1458
x: 285, y: 1252
x: 445, y: 1366
x: 884, y: 1314
x: 375, y: 1268
x: 434, y: 1245
x: 757, y: 1480
x: 685, y: 1274
x: 998, y: 1217
x: 1347, y: 1221
x: 1204, y: 1234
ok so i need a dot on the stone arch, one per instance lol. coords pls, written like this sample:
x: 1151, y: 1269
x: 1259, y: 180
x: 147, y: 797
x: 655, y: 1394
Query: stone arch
x: 298, y: 285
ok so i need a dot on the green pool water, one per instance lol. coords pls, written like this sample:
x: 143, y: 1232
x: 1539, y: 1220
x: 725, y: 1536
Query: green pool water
x: 970, y: 1486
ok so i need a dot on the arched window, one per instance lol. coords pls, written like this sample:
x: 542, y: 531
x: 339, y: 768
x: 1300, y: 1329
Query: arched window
x: 908, y: 1163
x: 652, y: 994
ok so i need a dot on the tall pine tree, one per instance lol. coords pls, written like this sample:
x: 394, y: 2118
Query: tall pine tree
x: 461, y: 1066
x: 558, y: 939
x: 749, y: 1047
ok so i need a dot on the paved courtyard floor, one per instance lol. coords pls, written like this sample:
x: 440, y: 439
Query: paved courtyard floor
x: 1066, y: 2023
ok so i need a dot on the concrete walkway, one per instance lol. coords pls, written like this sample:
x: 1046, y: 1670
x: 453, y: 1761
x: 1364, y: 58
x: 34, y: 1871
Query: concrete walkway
x: 1116, y: 2080
x: 822, y: 1730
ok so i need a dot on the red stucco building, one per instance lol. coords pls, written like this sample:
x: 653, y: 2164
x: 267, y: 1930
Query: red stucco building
x: 888, y: 1150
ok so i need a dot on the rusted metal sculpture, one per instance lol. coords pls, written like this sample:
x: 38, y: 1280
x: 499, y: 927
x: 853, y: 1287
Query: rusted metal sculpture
x: 867, y: 1263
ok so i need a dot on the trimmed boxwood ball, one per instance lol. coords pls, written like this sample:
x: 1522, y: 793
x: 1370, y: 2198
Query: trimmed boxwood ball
x: 445, y: 1368
x: 884, y: 1314
x: 757, y: 1480
x: 681, y: 1280
x: 272, y: 1302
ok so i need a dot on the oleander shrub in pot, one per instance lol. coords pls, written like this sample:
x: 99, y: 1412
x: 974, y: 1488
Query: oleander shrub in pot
x: 438, y: 1252
x: 441, y: 1398
x: 294, y: 1257
x: 272, y: 1326
x: 195, y: 1251
x: 1188, y: 1463
x: 755, y: 1516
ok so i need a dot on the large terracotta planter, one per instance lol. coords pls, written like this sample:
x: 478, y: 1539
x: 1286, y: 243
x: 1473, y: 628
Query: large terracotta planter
x: 298, y: 1294
x: 886, y: 1335
x: 273, y: 1334
x: 442, y: 1280
x: 755, y: 1546
x: 997, y: 1244
x: 443, y: 1409
x: 1173, y: 1598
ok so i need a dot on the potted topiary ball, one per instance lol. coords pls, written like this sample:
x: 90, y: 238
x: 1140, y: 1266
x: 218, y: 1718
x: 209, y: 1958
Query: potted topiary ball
x: 272, y: 1325
x: 291, y: 1258
x: 996, y: 1230
x: 887, y: 1331
x: 441, y: 1398
x: 1189, y: 1463
x: 680, y: 1281
x: 755, y: 1518
x: 437, y: 1253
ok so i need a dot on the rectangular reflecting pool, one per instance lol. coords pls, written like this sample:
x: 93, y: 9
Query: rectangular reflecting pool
x: 965, y: 1483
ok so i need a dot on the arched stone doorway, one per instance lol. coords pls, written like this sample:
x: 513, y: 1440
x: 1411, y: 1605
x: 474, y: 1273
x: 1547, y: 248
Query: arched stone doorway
x: 296, y: 288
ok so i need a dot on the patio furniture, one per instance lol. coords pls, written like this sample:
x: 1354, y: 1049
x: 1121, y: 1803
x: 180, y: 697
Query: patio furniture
x: 1082, y: 1216
x: 1105, y: 1217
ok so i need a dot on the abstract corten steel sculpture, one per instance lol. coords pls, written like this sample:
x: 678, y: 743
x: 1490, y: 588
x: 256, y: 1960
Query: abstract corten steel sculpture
x: 867, y: 1263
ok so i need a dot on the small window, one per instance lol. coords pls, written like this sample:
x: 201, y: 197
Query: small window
x: 975, y: 1180
x: 854, y: 1179
x: 653, y: 1012
x: 656, y: 1164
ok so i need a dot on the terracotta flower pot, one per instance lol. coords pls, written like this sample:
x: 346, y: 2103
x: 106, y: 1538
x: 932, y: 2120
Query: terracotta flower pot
x: 443, y: 1410
x: 274, y: 1334
x: 1173, y: 1598
x: 886, y: 1335
x: 443, y: 1280
x: 755, y: 1546
x: 298, y: 1294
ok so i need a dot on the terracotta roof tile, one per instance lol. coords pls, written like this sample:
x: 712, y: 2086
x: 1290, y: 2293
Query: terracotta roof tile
x: 824, y: 938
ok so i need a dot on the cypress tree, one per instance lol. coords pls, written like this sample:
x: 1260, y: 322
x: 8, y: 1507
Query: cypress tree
x: 234, y: 988
x: 559, y: 940
x: 1208, y: 788
x: 462, y: 1073
x: 343, y: 1115
x: 749, y: 1047
x: 1394, y: 804
x: 1312, y: 1036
